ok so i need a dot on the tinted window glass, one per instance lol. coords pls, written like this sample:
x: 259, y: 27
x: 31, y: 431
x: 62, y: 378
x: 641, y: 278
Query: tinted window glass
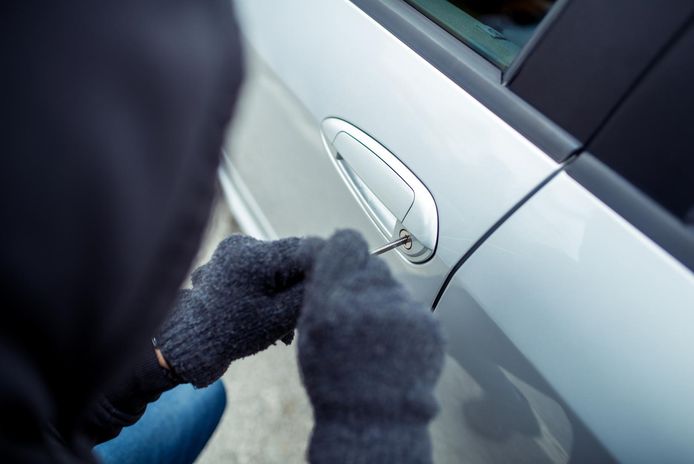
x: 648, y: 140
x: 496, y: 29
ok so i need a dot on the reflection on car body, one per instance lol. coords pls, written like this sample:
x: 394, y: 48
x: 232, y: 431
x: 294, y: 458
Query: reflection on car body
x: 553, y: 139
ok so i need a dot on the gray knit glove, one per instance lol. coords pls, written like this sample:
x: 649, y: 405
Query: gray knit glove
x: 243, y: 300
x: 369, y: 359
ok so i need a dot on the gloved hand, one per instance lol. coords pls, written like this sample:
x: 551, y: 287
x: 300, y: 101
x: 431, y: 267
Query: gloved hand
x: 369, y: 358
x: 243, y: 300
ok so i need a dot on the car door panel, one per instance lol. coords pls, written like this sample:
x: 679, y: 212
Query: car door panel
x: 338, y: 62
x: 289, y: 181
x: 602, y: 312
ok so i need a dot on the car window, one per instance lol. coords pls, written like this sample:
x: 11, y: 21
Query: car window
x: 648, y: 138
x: 496, y: 29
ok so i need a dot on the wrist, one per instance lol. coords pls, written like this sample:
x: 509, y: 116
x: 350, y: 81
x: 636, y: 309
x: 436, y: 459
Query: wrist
x: 145, y: 381
x: 160, y: 357
x: 161, y: 360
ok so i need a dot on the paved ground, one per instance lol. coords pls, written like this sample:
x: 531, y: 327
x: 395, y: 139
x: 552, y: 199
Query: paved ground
x: 268, y: 416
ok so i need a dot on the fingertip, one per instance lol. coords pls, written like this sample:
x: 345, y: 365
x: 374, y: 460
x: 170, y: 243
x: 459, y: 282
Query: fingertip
x: 233, y: 246
x: 351, y: 240
x: 346, y: 247
x: 288, y: 338
x: 235, y: 240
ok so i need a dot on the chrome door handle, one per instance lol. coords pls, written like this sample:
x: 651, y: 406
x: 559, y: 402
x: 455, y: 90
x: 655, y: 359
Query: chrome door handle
x: 391, y: 195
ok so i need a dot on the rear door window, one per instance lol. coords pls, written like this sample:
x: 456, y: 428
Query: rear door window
x: 496, y: 29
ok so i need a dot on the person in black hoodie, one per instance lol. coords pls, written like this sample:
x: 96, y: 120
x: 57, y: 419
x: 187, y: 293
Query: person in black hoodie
x: 113, y: 119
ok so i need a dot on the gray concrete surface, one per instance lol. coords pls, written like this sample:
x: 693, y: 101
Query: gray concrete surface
x: 268, y: 416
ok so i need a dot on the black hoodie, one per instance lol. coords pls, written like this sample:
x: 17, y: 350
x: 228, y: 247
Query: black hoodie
x: 113, y: 115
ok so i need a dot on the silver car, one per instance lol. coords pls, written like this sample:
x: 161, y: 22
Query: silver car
x: 539, y: 155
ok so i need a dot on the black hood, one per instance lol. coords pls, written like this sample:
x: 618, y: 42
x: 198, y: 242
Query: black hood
x: 113, y: 119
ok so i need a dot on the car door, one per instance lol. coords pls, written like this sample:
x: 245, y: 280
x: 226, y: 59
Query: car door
x: 327, y: 76
x: 568, y: 327
x: 359, y: 113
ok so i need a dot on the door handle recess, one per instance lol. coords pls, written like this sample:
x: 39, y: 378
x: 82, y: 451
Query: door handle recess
x: 391, y: 195
x: 387, y: 196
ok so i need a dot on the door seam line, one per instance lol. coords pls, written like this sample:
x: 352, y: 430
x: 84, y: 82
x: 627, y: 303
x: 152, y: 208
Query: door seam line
x: 478, y: 243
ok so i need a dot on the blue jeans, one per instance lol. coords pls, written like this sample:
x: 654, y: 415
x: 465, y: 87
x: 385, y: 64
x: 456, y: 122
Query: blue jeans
x: 174, y: 429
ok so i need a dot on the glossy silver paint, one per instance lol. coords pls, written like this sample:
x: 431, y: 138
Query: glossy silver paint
x: 320, y: 59
x: 575, y: 293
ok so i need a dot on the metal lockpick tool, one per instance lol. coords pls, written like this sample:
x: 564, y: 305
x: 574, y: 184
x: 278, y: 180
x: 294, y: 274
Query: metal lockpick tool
x: 404, y: 240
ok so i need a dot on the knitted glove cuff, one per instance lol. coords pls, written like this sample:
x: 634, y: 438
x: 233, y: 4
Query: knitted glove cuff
x: 384, y: 443
x: 199, y: 342
x: 183, y: 341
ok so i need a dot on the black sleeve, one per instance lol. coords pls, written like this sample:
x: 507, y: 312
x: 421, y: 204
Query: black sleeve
x: 125, y: 402
x: 113, y: 115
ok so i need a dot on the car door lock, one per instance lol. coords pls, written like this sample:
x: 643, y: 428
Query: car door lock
x: 393, y: 198
x: 404, y: 241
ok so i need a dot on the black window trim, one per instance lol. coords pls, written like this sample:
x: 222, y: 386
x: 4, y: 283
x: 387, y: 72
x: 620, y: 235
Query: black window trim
x: 540, y: 33
x: 584, y: 62
x: 471, y: 72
